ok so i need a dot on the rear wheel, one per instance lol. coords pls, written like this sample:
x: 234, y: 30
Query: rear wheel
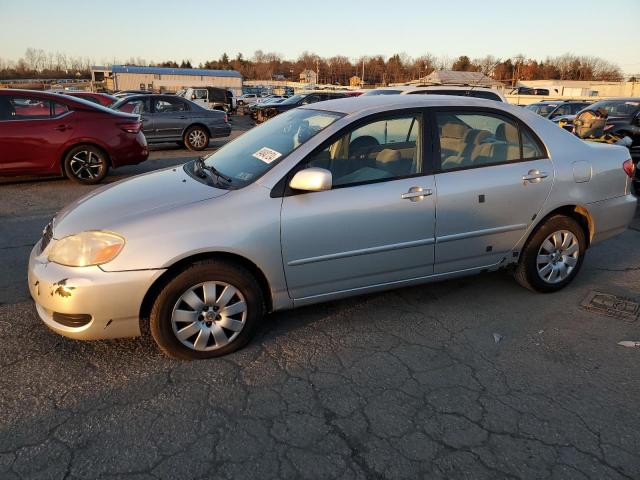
x: 86, y: 164
x: 210, y: 309
x: 553, y: 256
x: 196, y: 138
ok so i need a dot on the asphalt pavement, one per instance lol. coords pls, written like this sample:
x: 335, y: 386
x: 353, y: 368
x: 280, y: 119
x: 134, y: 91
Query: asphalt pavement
x: 473, y: 378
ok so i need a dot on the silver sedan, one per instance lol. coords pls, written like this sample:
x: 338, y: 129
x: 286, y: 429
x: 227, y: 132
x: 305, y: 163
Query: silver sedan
x: 331, y: 200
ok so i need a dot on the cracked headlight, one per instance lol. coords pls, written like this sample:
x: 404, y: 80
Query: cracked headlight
x: 86, y: 248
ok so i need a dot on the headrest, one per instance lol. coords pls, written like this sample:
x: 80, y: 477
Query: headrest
x: 387, y: 156
x: 507, y: 133
x: 476, y: 137
x: 453, y: 130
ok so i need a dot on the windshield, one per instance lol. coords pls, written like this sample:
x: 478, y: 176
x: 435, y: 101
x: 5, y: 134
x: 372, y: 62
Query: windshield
x: 617, y: 108
x: 543, y: 109
x: 382, y: 92
x: 295, y: 99
x: 251, y: 155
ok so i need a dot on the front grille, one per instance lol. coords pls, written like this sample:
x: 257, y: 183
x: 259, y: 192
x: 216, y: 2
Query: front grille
x: 47, y: 235
x: 70, y: 320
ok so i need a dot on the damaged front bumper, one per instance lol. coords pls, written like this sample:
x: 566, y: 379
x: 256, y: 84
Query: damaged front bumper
x: 87, y: 303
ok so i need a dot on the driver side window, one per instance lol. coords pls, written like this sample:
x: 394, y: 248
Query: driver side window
x: 383, y: 149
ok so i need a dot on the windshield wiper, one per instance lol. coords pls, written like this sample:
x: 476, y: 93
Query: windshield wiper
x: 202, y: 169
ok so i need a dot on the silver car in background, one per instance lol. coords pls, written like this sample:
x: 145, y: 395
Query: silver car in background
x: 330, y: 200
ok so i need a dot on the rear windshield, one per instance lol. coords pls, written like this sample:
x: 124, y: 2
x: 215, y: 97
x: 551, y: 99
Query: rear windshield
x: 617, y: 108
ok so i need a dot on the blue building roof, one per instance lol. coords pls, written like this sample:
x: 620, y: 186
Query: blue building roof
x: 175, y: 71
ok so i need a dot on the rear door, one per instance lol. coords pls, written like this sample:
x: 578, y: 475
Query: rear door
x: 33, y: 131
x: 489, y: 188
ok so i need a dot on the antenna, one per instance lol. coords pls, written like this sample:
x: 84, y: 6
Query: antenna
x: 485, y: 74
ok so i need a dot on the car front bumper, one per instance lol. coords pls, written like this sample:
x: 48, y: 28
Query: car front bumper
x: 87, y: 303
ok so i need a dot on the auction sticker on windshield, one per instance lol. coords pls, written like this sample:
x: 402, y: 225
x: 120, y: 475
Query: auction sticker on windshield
x: 267, y: 155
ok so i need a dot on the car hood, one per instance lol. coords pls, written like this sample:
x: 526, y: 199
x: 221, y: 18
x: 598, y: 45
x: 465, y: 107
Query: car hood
x: 111, y: 205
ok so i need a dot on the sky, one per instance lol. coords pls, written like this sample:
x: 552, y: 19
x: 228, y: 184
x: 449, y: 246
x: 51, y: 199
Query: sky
x: 200, y: 30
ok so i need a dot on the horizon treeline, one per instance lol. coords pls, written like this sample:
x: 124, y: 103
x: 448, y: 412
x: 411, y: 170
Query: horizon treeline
x: 378, y: 69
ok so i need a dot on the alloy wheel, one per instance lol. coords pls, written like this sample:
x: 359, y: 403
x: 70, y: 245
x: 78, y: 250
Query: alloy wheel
x: 558, y: 256
x: 209, y: 316
x: 86, y: 165
x: 197, y: 138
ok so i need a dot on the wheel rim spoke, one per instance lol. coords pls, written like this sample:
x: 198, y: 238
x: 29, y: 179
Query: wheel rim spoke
x: 231, y: 324
x: 191, y: 299
x: 233, y: 309
x: 219, y: 336
x: 188, y: 331
x: 226, y: 296
x: 209, y: 289
x: 202, y: 339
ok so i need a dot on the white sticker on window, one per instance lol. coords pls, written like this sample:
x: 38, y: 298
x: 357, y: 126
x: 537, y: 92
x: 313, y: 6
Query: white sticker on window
x: 244, y: 176
x: 267, y: 155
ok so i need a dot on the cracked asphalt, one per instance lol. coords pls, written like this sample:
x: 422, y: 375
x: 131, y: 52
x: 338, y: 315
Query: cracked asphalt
x: 404, y: 384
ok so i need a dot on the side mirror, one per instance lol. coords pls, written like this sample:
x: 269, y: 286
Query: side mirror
x: 312, y: 180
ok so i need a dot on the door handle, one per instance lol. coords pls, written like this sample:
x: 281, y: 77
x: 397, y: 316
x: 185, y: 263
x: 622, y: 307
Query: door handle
x: 534, y: 176
x: 182, y: 117
x: 62, y: 128
x: 415, y: 194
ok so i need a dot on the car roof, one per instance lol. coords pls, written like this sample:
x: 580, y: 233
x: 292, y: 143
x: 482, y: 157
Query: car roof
x: 409, y: 88
x: 48, y: 95
x: 349, y: 105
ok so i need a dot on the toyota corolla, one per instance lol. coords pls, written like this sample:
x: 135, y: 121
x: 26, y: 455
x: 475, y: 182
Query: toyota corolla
x: 325, y: 201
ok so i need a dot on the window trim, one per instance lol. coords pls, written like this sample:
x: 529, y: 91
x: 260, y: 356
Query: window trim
x: 282, y: 189
x: 437, y: 158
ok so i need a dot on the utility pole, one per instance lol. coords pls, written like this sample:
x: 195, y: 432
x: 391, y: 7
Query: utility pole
x: 362, y: 81
x: 317, y: 70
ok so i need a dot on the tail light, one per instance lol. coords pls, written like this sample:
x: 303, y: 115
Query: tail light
x: 131, y: 127
x: 629, y: 168
x: 226, y: 118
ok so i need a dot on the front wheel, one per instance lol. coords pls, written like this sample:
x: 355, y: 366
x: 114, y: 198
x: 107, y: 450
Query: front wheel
x: 196, y: 138
x: 210, y: 309
x: 85, y: 164
x: 553, y: 256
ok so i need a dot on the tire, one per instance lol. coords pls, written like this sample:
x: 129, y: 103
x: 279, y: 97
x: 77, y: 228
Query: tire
x: 85, y: 164
x: 553, y: 256
x: 196, y: 138
x: 187, y: 319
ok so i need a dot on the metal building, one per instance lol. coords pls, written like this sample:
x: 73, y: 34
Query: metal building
x: 160, y: 79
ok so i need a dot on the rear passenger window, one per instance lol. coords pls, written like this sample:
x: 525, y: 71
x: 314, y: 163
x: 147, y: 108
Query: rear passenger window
x: 475, y: 139
x: 380, y: 150
x: 59, y: 109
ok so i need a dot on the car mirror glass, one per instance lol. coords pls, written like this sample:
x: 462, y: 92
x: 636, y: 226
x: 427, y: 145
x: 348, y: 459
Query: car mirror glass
x: 312, y: 180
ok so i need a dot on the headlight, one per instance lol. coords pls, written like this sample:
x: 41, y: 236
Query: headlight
x: 86, y: 248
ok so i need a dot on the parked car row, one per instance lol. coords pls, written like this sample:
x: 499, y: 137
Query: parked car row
x: 72, y: 134
x: 264, y: 112
x: 49, y: 133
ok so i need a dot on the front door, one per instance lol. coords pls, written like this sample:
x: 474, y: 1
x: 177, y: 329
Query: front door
x: 493, y: 179
x: 33, y: 132
x: 376, y: 225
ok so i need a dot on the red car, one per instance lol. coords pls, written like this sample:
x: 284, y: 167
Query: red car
x: 103, y: 99
x: 48, y: 133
